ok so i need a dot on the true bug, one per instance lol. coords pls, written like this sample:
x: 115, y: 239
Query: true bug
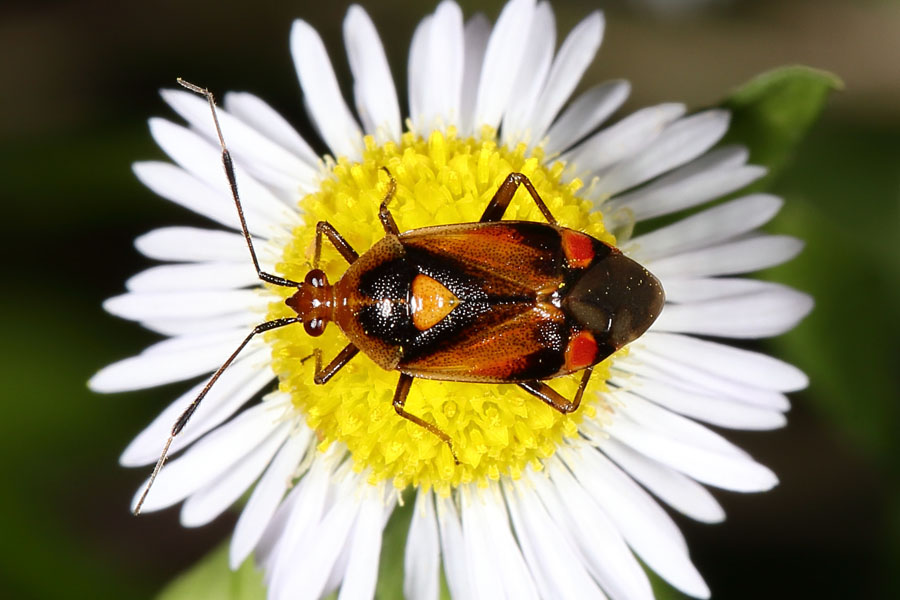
x: 488, y: 302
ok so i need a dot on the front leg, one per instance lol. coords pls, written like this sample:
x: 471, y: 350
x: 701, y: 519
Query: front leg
x: 384, y: 215
x: 337, y: 240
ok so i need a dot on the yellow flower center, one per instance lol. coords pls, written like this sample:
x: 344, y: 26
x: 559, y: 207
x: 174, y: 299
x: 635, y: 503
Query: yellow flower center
x: 496, y: 429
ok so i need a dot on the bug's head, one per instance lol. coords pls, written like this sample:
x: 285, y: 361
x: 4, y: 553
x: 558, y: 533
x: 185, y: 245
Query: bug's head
x: 617, y: 299
x: 314, y: 302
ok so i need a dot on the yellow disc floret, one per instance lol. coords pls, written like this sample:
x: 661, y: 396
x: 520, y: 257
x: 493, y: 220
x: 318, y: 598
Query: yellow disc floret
x: 496, y: 429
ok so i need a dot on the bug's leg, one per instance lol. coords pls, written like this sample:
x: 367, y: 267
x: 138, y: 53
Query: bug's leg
x: 232, y: 182
x: 554, y: 398
x: 323, y: 375
x: 497, y: 206
x: 387, y: 219
x: 337, y: 240
x: 400, y: 395
x: 186, y: 415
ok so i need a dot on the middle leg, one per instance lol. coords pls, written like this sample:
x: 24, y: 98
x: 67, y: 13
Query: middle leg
x: 403, y: 385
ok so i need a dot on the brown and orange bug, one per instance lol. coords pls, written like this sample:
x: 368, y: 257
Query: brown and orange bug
x: 495, y: 301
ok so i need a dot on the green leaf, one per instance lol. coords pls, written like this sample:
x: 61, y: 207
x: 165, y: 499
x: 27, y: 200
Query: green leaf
x: 772, y: 112
x: 844, y: 202
x: 211, y: 579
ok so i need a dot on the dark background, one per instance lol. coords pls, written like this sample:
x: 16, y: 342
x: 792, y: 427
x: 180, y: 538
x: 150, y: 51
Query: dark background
x: 79, y: 80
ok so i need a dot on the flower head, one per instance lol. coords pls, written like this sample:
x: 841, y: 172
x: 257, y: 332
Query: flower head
x: 540, y: 503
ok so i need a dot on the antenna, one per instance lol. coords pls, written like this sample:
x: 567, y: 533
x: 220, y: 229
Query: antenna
x: 266, y: 277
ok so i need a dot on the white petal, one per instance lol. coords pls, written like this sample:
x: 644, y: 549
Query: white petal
x: 155, y: 305
x: 452, y: 549
x: 216, y: 339
x: 209, y: 458
x: 554, y: 562
x: 658, y: 420
x: 514, y: 574
x: 254, y: 111
x: 712, y: 288
x: 199, y: 157
x: 447, y: 56
x: 213, y: 499
x: 266, y: 160
x: 684, y: 374
x: 365, y: 549
x: 245, y: 320
x: 688, y: 447
x: 322, y: 95
x: 299, y: 515
x: 502, y: 61
x: 310, y: 563
x: 744, y: 366
x: 192, y: 244
x: 373, y: 86
x: 753, y: 316
x: 417, y: 70
x: 741, y: 256
x: 338, y: 568
x: 619, y: 141
x: 679, y: 143
x: 270, y: 542
x: 495, y: 564
x: 716, y: 410
x: 177, y: 185
x: 384, y: 502
x: 439, y: 69
x: 678, y: 491
x: 421, y: 564
x: 585, y: 114
x: 266, y: 496
x: 644, y: 525
x: 573, y: 58
x: 152, y: 368
x: 600, y: 544
x: 478, y: 550
x: 713, y: 175
x: 198, y: 276
x: 239, y: 383
x: 476, y: 35
x: 706, y: 228
x: 535, y: 64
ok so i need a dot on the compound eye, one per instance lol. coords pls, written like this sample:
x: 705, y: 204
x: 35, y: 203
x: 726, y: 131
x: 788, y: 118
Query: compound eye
x: 317, y: 278
x: 314, y: 327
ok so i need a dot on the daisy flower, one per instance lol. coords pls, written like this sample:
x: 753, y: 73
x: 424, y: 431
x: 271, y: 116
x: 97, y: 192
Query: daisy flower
x: 540, y: 504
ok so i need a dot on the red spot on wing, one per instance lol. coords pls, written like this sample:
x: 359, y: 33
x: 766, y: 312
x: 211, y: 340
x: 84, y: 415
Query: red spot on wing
x: 581, y: 351
x: 578, y: 248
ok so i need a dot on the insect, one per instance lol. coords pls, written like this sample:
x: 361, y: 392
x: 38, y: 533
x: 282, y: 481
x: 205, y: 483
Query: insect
x: 516, y: 302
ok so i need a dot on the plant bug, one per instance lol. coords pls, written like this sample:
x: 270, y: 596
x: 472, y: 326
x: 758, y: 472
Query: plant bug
x: 495, y: 301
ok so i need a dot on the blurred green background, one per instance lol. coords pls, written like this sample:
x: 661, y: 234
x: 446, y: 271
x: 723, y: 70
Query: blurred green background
x: 79, y: 80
